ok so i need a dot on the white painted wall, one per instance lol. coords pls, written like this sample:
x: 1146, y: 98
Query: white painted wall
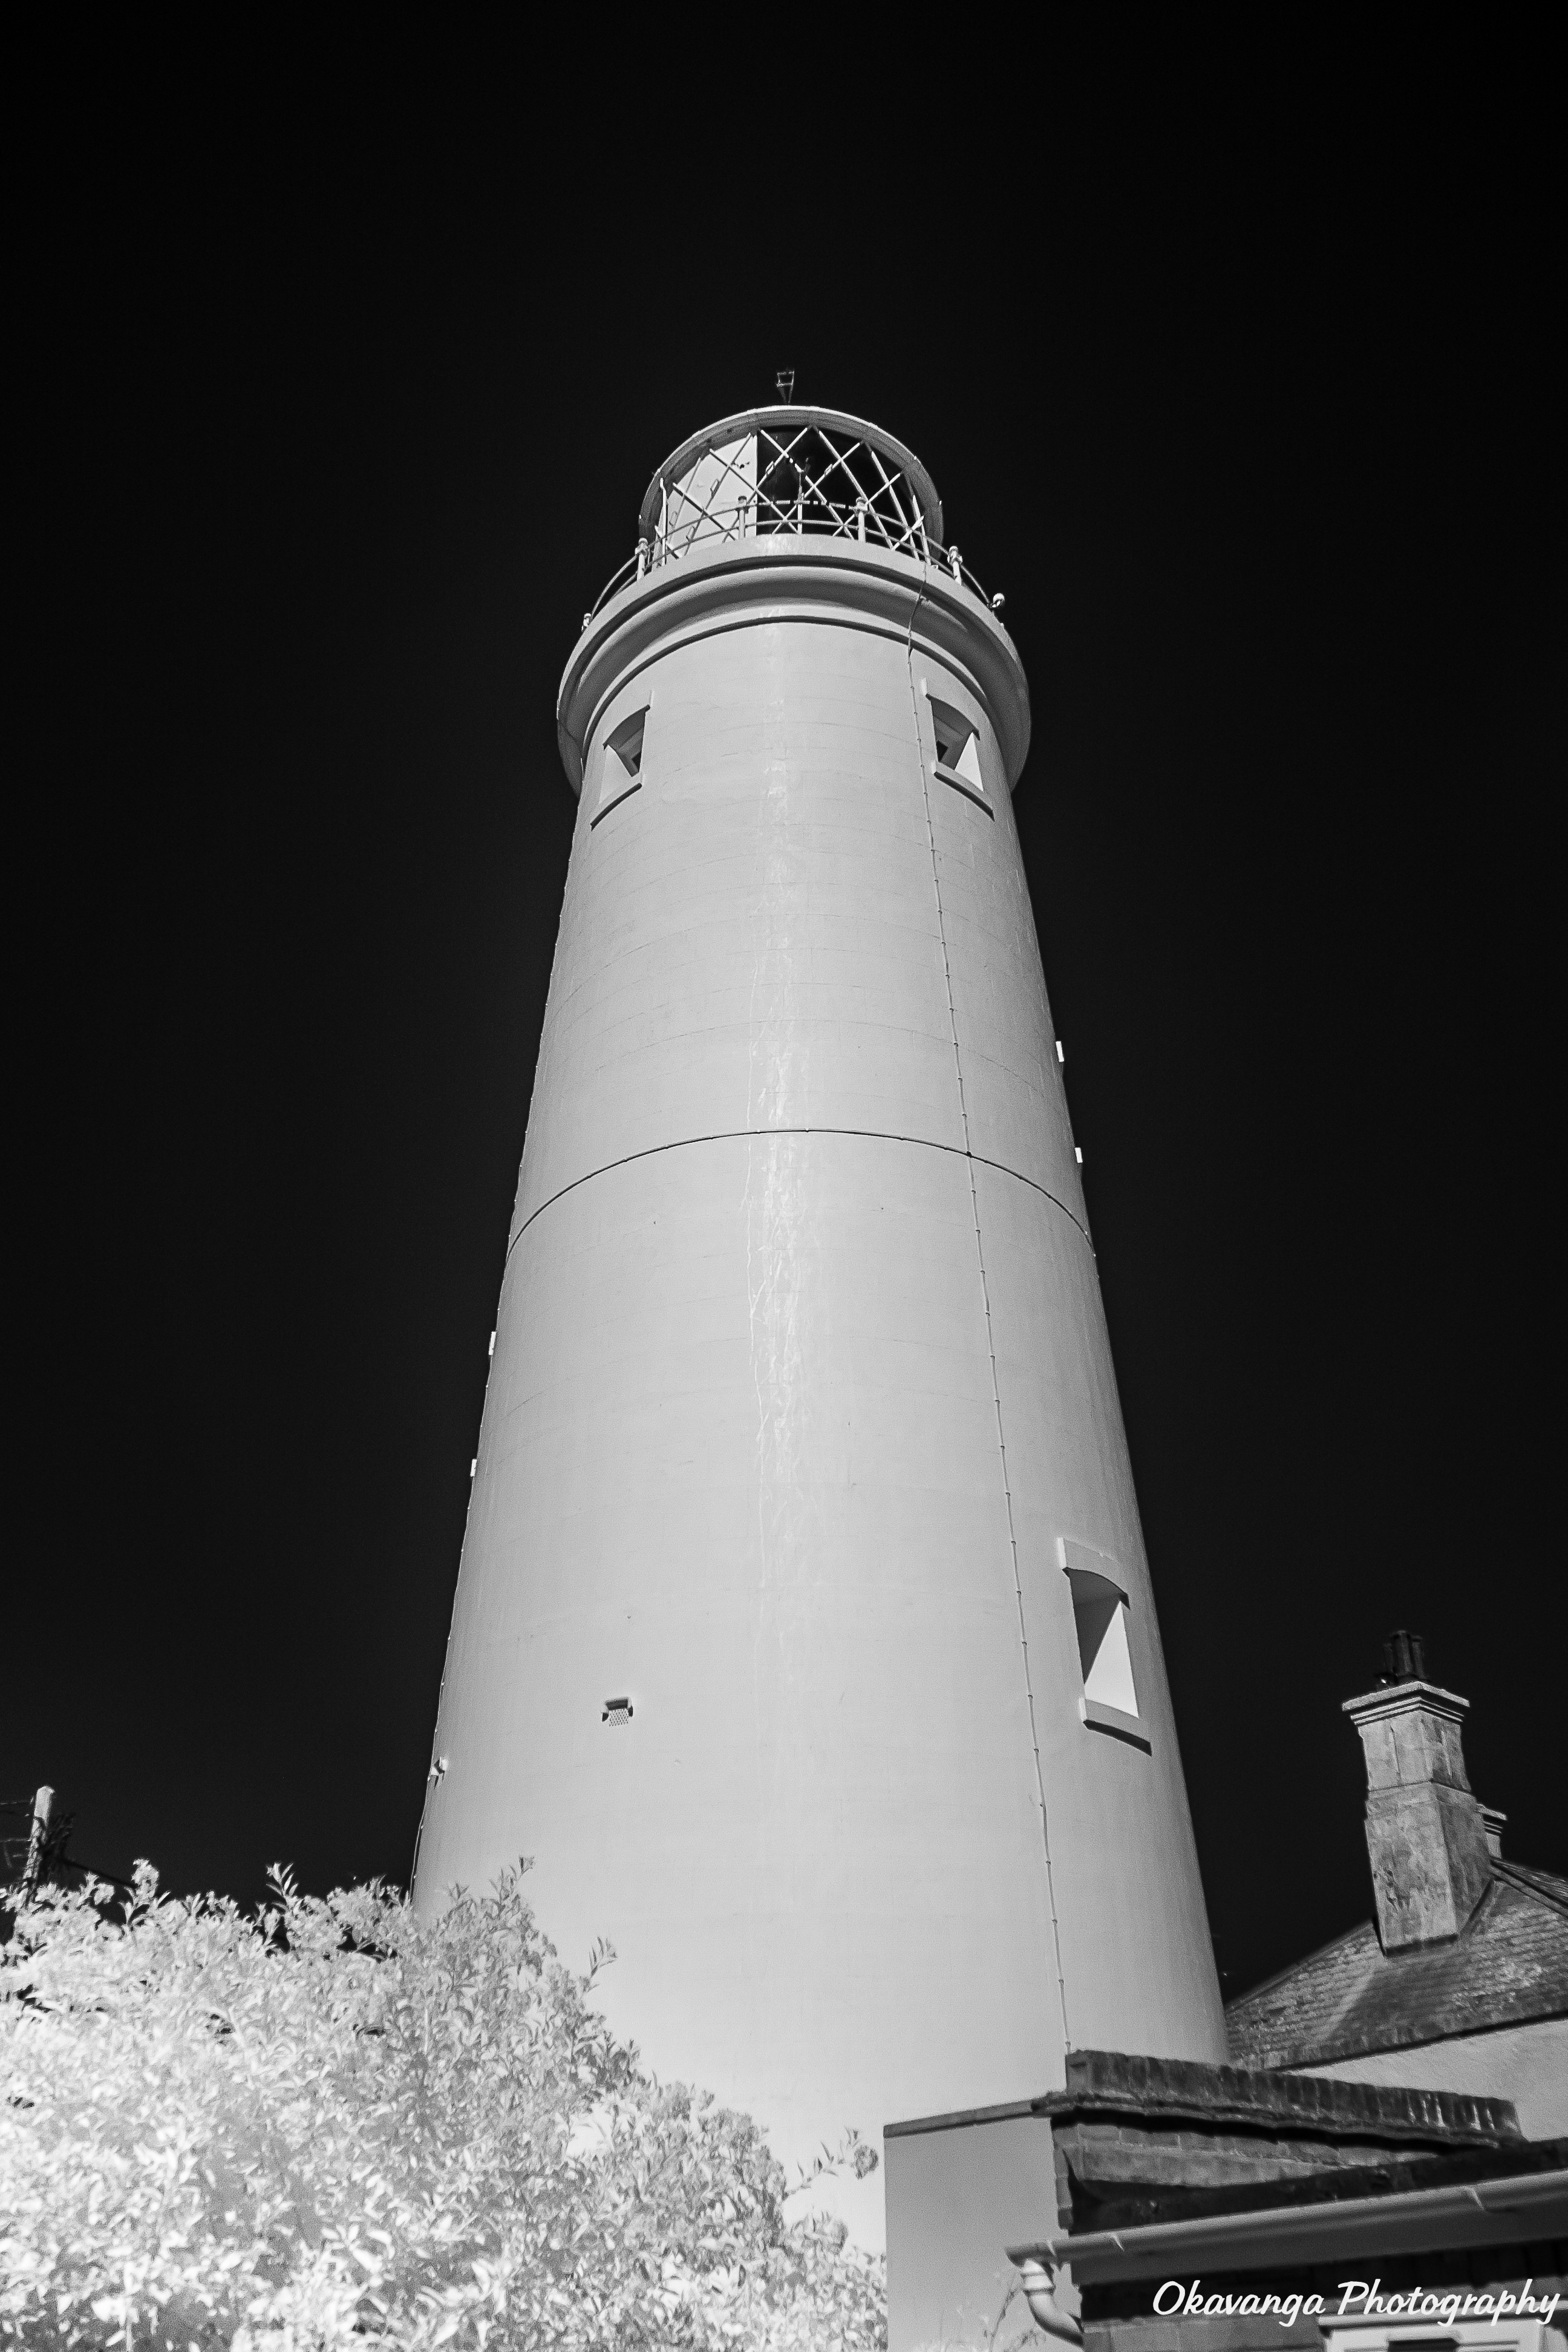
x: 1526, y: 2064
x: 742, y: 1456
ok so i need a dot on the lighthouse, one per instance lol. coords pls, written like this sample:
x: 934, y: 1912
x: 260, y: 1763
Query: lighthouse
x: 804, y: 1636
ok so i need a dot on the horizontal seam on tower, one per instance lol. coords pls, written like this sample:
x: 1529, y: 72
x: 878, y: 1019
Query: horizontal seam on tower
x: 750, y: 1134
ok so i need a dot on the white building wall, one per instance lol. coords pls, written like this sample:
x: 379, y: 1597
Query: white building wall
x: 801, y: 1374
x: 1527, y: 2064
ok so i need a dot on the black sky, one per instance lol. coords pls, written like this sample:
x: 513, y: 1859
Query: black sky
x: 338, y: 418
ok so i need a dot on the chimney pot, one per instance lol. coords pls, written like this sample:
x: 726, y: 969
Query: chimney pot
x: 1404, y: 1657
x: 1426, y: 1838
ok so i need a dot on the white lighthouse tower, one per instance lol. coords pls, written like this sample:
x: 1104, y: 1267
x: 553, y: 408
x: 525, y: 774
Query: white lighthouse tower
x: 804, y: 1636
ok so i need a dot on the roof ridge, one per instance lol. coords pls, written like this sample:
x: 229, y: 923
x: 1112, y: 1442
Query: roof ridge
x: 1544, y: 1885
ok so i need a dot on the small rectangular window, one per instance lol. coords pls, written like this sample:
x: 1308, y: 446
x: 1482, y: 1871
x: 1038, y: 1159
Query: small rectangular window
x: 1099, y: 1608
x: 958, y: 752
x: 622, y: 771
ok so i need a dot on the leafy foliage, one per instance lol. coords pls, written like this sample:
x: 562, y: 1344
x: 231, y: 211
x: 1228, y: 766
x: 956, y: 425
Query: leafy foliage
x: 340, y: 2125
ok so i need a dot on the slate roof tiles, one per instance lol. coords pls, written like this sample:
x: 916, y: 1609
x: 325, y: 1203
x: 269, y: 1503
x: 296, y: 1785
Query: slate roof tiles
x: 1508, y: 1965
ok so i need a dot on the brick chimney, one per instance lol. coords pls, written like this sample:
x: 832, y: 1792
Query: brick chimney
x: 1425, y: 1834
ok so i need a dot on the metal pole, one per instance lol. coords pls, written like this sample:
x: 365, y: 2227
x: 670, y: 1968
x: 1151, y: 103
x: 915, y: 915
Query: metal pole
x: 43, y: 1807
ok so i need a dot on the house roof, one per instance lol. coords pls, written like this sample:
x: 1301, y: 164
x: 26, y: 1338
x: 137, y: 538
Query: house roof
x: 1508, y: 1965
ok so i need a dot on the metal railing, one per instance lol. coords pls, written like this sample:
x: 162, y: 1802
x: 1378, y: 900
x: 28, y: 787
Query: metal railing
x: 646, y: 559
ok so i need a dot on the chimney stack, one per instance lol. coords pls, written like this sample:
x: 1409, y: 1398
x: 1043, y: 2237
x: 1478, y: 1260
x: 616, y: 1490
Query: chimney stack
x: 1425, y: 1834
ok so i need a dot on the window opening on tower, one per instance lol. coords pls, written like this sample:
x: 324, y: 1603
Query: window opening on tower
x: 622, y: 771
x: 957, y: 749
x: 1099, y: 1607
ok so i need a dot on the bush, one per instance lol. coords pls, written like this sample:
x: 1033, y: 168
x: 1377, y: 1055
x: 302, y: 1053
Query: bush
x: 339, y: 2125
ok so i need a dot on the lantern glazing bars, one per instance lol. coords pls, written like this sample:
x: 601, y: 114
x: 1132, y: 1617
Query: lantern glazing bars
x: 789, y: 471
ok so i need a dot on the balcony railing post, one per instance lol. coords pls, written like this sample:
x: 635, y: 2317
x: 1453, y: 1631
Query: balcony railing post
x: 956, y: 564
x: 642, y: 557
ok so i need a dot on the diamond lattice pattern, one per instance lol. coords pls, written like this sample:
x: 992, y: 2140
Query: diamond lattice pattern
x: 798, y: 479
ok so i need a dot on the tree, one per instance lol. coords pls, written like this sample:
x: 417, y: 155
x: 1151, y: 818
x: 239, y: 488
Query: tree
x: 336, y: 2123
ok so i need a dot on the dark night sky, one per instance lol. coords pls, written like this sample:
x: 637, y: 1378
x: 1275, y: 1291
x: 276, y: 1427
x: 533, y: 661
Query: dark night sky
x: 338, y: 423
